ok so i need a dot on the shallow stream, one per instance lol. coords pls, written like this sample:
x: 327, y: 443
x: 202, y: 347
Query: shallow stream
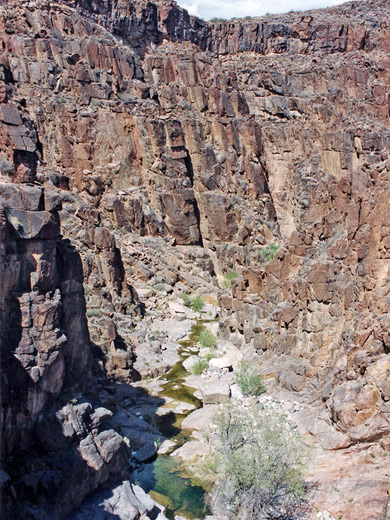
x: 165, y: 478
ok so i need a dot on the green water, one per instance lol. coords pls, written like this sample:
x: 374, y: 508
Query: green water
x: 165, y: 482
x: 164, y: 478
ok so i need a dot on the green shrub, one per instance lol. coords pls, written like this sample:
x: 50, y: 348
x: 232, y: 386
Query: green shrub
x: 258, y: 469
x: 268, y: 253
x: 227, y: 279
x: 207, y: 338
x: 197, y: 303
x: 249, y: 380
x: 211, y: 355
x: 186, y: 299
x: 94, y: 313
x: 199, y: 366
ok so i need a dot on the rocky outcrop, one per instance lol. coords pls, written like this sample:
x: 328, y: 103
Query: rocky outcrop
x: 53, y: 451
x: 265, y: 141
x: 316, y: 312
x: 239, y: 137
x: 112, y: 302
x: 44, y: 340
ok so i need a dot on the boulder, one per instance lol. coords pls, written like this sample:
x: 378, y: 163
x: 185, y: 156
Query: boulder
x: 215, y: 392
x: 10, y: 115
x: 147, y: 452
x: 200, y: 419
x: 36, y: 225
x: 144, y: 498
x: 179, y: 308
x: 100, y: 416
x: 189, y: 362
x: 192, y: 449
x: 229, y: 360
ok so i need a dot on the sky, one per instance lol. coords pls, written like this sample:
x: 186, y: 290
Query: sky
x: 207, y: 9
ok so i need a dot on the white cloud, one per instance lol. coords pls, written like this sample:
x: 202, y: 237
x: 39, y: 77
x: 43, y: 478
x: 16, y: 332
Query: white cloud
x: 237, y: 8
x: 191, y: 8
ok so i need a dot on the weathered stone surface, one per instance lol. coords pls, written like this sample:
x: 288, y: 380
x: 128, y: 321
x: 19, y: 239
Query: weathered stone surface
x: 215, y: 392
x: 189, y: 362
x: 237, y: 136
x: 147, y: 451
x: 200, y: 419
x: 125, y: 501
x: 191, y: 450
x: 37, y: 345
x: 34, y: 224
x: 45, y: 350
x: 230, y: 359
x: 10, y: 115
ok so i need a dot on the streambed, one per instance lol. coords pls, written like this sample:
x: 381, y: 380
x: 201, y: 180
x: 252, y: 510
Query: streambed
x: 165, y: 478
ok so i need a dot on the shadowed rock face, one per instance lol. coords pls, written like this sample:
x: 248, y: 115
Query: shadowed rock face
x: 51, y: 448
x: 233, y: 136
x: 44, y: 340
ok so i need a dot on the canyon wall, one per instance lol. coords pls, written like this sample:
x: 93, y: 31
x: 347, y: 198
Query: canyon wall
x: 44, y: 341
x: 264, y: 141
x: 54, y: 447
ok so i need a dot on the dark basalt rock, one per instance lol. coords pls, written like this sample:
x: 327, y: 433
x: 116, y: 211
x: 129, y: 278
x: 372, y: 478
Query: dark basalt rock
x: 49, y: 452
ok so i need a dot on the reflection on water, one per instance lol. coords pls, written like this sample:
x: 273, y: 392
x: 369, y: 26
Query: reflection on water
x: 165, y: 483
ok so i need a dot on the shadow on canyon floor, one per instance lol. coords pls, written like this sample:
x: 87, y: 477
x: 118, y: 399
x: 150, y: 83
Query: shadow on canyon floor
x: 72, y: 456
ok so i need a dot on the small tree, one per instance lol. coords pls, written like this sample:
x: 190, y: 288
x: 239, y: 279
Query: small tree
x: 258, y: 465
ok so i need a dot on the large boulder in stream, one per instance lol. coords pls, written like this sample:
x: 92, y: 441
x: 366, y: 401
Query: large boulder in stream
x: 189, y: 362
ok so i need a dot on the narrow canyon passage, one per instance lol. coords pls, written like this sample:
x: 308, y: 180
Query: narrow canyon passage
x: 158, y: 174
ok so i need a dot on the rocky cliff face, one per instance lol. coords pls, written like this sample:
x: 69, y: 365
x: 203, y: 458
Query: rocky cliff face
x: 265, y: 142
x: 48, y: 441
x: 44, y: 341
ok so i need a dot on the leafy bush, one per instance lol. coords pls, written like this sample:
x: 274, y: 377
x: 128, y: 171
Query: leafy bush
x: 258, y: 470
x: 199, y: 366
x: 249, y: 380
x: 268, y: 253
x: 197, y: 303
x: 207, y: 338
x: 186, y: 299
x: 227, y: 279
